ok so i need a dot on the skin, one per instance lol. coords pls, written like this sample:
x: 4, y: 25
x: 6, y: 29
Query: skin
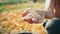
x: 52, y: 9
x: 57, y: 8
x: 33, y: 15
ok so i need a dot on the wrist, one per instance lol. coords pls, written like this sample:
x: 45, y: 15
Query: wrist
x: 49, y: 13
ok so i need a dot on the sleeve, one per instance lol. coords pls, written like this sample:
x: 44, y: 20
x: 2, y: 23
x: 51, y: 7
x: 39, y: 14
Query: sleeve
x: 45, y: 23
x: 53, y: 27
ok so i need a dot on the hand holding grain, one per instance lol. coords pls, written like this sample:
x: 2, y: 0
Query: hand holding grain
x: 33, y: 15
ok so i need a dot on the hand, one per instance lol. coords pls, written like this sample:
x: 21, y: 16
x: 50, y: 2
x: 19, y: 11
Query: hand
x: 33, y: 15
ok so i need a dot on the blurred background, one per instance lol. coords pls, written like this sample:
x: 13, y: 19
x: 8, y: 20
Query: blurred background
x: 10, y: 13
x: 19, y: 5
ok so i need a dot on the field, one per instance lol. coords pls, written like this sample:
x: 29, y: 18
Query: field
x: 10, y: 19
x: 20, y: 7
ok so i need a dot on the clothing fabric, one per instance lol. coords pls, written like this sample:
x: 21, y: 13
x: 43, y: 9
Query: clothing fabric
x: 52, y: 26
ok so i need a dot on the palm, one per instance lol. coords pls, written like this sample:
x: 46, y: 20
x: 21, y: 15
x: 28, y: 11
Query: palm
x: 33, y: 15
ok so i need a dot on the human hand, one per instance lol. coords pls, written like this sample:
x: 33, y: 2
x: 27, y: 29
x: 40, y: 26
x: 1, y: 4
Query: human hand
x: 33, y: 15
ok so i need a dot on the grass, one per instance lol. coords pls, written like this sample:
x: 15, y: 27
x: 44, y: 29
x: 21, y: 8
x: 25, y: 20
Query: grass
x: 20, y: 7
x: 13, y: 19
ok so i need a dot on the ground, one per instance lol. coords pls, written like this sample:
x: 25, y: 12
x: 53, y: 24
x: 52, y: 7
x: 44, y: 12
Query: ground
x: 11, y: 22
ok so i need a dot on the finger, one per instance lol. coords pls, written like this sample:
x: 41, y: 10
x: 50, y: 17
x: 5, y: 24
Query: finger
x: 24, y: 14
x: 34, y: 20
x: 23, y: 19
x: 28, y: 19
x: 40, y: 21
x: 26, y: 11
